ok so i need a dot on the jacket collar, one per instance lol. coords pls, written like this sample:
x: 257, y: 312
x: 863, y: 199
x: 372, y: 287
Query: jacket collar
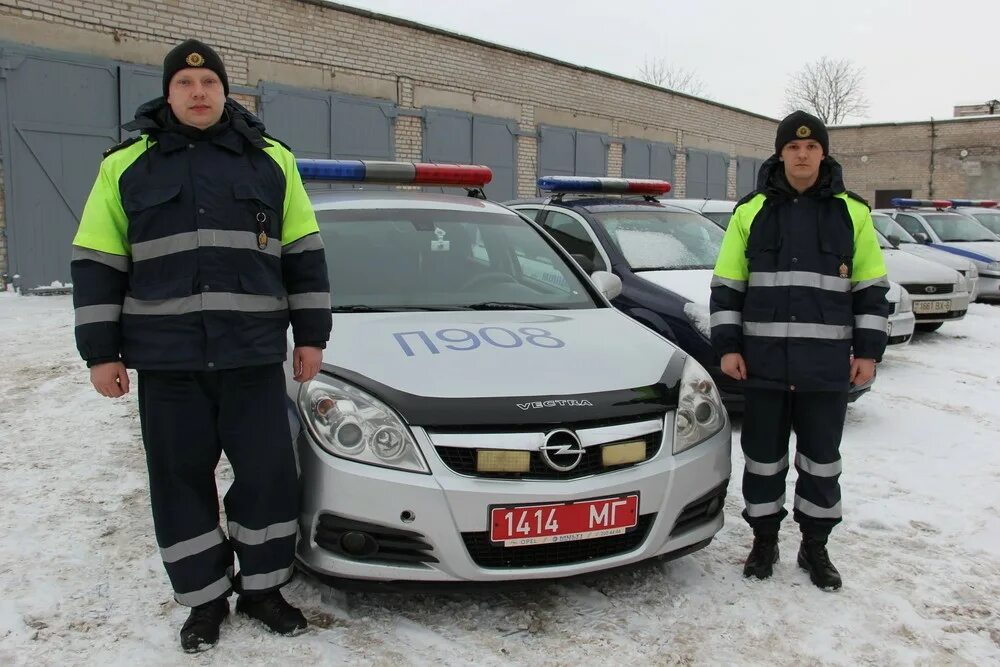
x: 237, y: 128
x: 772, y: 182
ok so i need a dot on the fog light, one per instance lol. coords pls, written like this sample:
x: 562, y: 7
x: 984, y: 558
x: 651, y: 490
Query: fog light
x: 624, y: 452
x: 502, y: 460
x: 359, y: 544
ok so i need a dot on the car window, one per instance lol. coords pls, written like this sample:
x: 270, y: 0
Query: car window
x: 530, y: 213
x: 413, y: 258
x: 721, y: 218
x: 571, y: 235
x: 889, y: 227
x: 990, y: 221
x: 663, y: 239
x: 910, y: 224
x: 958, y: 228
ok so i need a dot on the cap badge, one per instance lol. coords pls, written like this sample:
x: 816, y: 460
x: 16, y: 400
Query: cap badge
x: 195, y: 60
x: 803, y: 132
x: 843, y: 271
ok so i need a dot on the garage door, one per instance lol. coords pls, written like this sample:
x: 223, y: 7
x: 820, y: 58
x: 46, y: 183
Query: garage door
x: 568, y: 152
x: 706, y: 174
x: 464, y: 138
x: 746, y: 175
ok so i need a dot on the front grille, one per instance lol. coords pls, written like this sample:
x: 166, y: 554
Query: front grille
x: 463, y: 461
x: 920, y: 289
x: 702, y: 510
x: 388, y: 545
x: 951, y: 315
x: 487, y: 554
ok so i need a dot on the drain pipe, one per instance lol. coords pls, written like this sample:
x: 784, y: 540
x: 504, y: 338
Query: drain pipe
x: 930, y: 180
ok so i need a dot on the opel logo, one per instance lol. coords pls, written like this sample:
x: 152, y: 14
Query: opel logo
x: 930, y: 289
x: 562, y: 450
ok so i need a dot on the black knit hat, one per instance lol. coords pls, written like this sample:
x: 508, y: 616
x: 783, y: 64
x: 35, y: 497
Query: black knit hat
x: 192, y: 53
x: 801, y: 125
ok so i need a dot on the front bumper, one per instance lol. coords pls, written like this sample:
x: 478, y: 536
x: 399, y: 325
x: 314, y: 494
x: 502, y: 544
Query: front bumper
x: 440, y: 521
x: 988, y: 288
x: 901, y: 327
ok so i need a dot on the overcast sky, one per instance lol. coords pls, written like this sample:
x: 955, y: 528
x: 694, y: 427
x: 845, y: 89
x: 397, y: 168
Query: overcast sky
x: 920, y: 58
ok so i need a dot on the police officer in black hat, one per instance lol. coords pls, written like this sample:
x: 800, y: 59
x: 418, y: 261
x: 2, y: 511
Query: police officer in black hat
x: 197, y: 248
x: 798, y: 315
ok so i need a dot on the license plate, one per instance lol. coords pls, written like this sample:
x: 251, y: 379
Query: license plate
x: 525, y: 525
x: 931, y: 306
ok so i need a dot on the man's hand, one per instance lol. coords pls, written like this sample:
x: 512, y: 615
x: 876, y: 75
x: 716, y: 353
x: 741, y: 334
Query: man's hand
x: 110, y: 379
x: 306, y: 362
x: 734, y: 366
x: 862, y: 371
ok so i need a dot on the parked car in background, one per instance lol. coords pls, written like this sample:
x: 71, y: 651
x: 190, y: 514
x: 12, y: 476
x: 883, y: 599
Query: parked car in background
x: 473, y: 421
x: 984, y: 211
x: 938, y: 294
x: 663, y: 253
x: 901, y: 320
x: 929, y: 222
x: 718, y: 211
x: 901, y: 240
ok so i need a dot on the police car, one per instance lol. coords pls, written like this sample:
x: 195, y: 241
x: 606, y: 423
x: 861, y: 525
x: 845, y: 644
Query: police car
x: 981, y: 210
x: 474, y: 421
x: 929, y: 222
x: 901, y: 240
x: 664, y: 255
x: 937, y: 294
x: 718, y: 211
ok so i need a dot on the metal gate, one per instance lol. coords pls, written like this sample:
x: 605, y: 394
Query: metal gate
x: 648, y: 159
x: 564, y: 151
x: 464, y: 138
x: 746, y: 175
x: 707, y: 174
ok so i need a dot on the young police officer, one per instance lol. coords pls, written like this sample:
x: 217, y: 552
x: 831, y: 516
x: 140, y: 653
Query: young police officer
x: 196, y: 248
x: 799, y: 284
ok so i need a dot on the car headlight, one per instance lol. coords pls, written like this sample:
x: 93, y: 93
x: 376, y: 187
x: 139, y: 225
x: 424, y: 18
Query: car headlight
x: 961, y: 285
x: 349, y: 423
x: 905, y: 302
x: 972, y: 272
x: 994, y: 266
x: 700, y: 413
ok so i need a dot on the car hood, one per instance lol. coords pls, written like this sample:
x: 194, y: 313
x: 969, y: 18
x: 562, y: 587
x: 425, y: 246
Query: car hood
x: 974, y: 250
x: 692, y: 284
x: 465, y: 354
x: 936, y: 255
x: 907, y: 269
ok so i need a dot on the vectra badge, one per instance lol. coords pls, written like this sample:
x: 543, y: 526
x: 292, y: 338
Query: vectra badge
x: 568, y: 403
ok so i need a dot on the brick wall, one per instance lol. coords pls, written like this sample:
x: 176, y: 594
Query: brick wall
x: 965, y: 161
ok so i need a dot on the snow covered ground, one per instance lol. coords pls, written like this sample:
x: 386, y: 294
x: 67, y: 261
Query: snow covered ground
x: 919, y: 548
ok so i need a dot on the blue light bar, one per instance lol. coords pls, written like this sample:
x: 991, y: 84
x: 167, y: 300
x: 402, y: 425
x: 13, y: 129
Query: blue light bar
x: 331, y: 170
x: 974, y: 203
x: 902, y: 202
x: 594, y: 184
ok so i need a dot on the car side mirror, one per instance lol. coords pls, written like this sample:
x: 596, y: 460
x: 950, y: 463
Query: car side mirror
x: 586, y: 263
x: 607, y: 284
x: 921, y: 237
x: 893, y: 239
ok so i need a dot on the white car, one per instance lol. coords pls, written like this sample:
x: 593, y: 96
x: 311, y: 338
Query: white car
x: 983, y: 212
x: 901, y: 319
x: 930, y: 222
x: 718, y: 211
x: 938, y: 294
x: 472, y: 422
x: 901, y: 239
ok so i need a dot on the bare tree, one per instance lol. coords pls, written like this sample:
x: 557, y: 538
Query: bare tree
x: 830, y: 89
x: 659, y: 73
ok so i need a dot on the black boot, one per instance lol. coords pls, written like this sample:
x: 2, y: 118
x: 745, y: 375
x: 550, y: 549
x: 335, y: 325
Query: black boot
x: 763, y: 556
x: 814, y: 559
x: 272, y: 610
x: 201, y: 629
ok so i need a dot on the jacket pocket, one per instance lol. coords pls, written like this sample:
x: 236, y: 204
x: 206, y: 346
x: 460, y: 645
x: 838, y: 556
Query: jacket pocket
x: 264, y: 283
x: 758, y: 313
x: 158, y: 290
x: 137, y: 201
x: 839, y: 312
x: 248, y: 191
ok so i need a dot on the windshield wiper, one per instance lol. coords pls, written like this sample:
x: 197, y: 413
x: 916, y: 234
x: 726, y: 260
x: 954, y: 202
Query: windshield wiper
x: 362, y: 308
x: 508, y: 305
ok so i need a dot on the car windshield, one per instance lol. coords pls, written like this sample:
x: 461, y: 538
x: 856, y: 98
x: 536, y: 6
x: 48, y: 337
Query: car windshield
x: 958, y: 228
x: 721, y: 218
x: 990, y: 221
x: 886, y: 226
x: 883, y: 242
x: 652, y: 240
x: 425, y: 259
